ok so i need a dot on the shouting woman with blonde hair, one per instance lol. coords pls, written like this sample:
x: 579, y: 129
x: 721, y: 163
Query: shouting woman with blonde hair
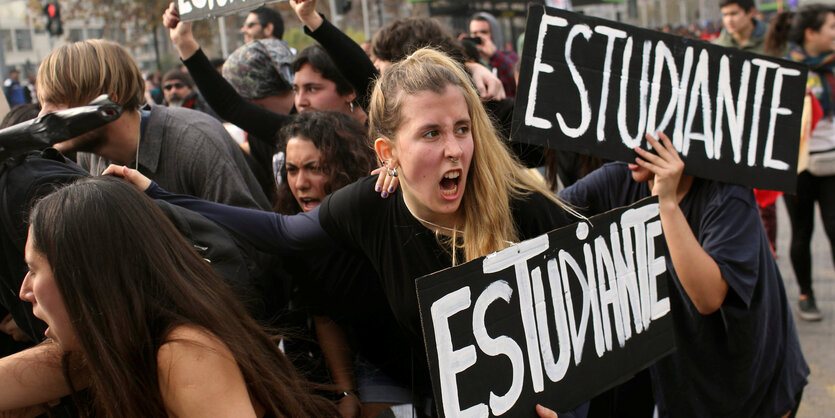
x: 462, y: 194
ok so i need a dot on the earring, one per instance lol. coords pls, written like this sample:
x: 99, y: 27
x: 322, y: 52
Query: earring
x: 393, y: 172
x: 352, y: 106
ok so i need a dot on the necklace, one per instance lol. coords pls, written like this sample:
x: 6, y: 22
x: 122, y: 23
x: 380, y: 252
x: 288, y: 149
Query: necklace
x: 424, y: 221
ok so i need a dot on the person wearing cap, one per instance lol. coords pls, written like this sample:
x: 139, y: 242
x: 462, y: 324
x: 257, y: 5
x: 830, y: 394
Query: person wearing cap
x: 178, y: 89
x: 261, y: 71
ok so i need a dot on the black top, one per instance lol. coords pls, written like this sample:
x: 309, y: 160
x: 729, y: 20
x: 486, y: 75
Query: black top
x: 744, y: 359
x: 399, y: 247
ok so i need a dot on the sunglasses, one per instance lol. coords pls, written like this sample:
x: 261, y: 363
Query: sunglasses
x: 173, y: 86
x: 251, y: 24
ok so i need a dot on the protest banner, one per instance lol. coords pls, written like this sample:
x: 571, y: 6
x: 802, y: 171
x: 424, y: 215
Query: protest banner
x: 553, y: 320
x: 596, y: 87
x: 191, y: 10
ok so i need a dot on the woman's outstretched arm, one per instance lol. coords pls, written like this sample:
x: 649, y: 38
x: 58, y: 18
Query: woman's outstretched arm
x: 33, y: 377
x: 267, y: 231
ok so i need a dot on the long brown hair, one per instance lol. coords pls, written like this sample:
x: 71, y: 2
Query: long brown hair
x: 790, y: 26
x: 346, y: 154
x: 495, y: 178
x: 128, y: 279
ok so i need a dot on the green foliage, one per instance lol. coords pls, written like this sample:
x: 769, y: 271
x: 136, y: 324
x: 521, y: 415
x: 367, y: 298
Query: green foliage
x: 296, y: 37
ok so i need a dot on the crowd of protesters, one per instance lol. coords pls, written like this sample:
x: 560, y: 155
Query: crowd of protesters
x: 328, y: 180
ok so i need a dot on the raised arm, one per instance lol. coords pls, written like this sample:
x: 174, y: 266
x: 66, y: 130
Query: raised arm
x: 220, y: 95
x: 267, y: 231
x: 697, y: 271
x: 349, y: 57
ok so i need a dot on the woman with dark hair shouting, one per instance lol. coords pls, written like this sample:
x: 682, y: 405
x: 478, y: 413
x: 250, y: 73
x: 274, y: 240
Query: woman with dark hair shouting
x: 141, y: 318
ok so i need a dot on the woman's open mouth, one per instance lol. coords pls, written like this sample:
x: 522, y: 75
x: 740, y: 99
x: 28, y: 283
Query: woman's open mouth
x: 449, y: 184
x: 309, y: 204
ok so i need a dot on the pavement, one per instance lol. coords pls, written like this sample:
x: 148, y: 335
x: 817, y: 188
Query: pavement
x: 817, y: 339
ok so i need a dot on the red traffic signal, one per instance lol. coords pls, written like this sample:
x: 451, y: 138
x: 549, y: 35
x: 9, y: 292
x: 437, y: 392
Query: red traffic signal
x: 53, y: 19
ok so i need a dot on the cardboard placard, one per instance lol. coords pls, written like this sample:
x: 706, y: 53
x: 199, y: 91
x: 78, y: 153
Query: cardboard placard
x: 597, y: 87
x: 191, y: 10
x: 554, y: 320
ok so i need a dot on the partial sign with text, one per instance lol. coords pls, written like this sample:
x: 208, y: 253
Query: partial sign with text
x: 553, y: 320
x: 191, y: 10
x: 597, y: 87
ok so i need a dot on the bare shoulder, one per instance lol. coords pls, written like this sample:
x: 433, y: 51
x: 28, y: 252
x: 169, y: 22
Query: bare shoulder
x: 198, y: 374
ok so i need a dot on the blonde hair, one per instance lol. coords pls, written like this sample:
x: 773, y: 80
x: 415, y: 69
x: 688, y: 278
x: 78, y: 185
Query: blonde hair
x: 495, y: 178
x: 76, y: 73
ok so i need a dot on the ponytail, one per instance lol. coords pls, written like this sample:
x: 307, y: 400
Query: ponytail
x: 777, y: 35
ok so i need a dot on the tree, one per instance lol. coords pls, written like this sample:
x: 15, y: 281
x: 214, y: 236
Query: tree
x: 142, y: 17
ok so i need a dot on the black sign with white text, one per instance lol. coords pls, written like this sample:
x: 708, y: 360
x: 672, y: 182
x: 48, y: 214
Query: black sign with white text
x: 191, y: 10
x: 597, y: 87
x: 554, y: 320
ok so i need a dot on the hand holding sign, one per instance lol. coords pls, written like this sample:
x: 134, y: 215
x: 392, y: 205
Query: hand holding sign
x: 597, y: 87
x: 555, y: 319
x: 666, y: 166
x: 306, y: 11
x: 544, y: 412
x: 180, y: 32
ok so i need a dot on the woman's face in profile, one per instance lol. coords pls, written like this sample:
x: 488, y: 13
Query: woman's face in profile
x: 39, y: 289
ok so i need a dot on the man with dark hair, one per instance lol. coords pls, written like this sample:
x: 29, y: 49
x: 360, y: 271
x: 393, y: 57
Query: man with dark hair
x: 741, y: 30
x: 261, y: 23
x: 178, y: 89
x: 485, y: 27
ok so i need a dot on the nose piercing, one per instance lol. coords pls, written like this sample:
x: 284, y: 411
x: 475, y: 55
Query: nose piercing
x: 453, y: 159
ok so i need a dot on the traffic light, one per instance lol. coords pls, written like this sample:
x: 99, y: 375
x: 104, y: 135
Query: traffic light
x: 53, y: 19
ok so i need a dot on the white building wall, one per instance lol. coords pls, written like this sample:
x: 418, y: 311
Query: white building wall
x: 17, y: 18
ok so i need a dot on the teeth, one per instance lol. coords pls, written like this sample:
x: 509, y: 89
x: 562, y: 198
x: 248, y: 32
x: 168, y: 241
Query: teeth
x: 452, y: 175
x: 451, y: 191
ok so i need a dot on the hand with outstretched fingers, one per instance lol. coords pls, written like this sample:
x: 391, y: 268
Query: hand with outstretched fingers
x: 386, y: 184
x: 136, y: 178
x: 667, y: 167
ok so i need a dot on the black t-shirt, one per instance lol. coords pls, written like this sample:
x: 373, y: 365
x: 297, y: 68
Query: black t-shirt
x: 402, y: 249
x: 357, y: 219
x: 744, y: 359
